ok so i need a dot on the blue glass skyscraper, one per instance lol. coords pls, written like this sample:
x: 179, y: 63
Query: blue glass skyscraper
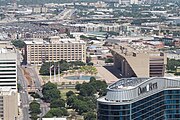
x: 141, y: 99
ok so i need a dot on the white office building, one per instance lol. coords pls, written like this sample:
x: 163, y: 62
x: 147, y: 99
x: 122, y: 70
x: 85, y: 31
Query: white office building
x: 8, y: 68
x: 8, y: 82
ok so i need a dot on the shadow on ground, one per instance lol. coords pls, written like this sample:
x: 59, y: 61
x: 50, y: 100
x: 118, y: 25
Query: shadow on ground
x: 113, y: 70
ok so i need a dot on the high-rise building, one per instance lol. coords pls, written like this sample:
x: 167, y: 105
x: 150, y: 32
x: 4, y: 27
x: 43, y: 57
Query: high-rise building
x: 138, y: 60
x: 8, y: 82
x: 8, y: 68
x: 56, y: 49
x: 141, y: 99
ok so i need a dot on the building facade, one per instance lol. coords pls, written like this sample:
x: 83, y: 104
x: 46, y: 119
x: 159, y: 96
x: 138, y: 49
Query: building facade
x: 128, y: 2
x: 138, y: 60
x: 141, y: 99
x: 39, y: 51
x: 8, y: 104
x: 8, y: 68
x: 8, y: 82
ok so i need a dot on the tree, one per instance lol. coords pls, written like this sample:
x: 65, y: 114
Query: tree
x: 87, y: 90
x: 34, y: 107
x: 48, y: 86
x: 48, y: 115
x: 69, y: 93
x: 92, y: 79
x: 34, y: 116
x: 51, y: 95
x: 50, y: 92
x: 56, y: 112
x: 90, y: 116
x: 77, y: 87
x: 109, y: 60
x: 58, y: 103
x: 45, y: 67
x: 19, y: 87
x: 35, y: 95
x: 18, y: 43
x: 70, y: 100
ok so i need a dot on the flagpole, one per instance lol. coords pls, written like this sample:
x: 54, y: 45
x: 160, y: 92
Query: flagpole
x: 58, y: 72
x: 50, y: 71
x: 54, y: 73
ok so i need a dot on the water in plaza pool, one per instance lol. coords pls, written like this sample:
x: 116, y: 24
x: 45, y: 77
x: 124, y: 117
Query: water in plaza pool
x: 81, y: 77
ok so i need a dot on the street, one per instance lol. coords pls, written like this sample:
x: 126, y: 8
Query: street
x: 25, y: 97
x: 23, y: 94
x: 37, y: 85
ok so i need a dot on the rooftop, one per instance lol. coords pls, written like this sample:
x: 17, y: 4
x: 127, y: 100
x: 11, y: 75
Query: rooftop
x: 127, y: 83
x: 40, y: 41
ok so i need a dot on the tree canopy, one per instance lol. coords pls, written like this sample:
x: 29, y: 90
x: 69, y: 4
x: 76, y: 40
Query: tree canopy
x: 63, y: 66
x: 90, y: 116
x: 86, y: 100
x: 34, y: 109
x: 57, y: 103
x: 172, y: 64
x: 50, y: 92
x: 18, y: 43
x: 56, y: 112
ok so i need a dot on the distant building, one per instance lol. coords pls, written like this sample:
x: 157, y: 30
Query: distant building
x: 127, y: 2
x: 56, y: 49
x: 141, y: 99
x: 138, y: 60
x: 177, y: 42
x: 39, y: 9
x: 90, y: 27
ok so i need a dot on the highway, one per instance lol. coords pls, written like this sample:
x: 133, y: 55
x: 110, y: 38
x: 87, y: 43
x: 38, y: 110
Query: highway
x: 23, y: 94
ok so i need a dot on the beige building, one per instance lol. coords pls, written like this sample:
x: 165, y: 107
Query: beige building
x: 8, y: 104
x: 56, y: 49
x: 39, y: 9
x: 138, y: 60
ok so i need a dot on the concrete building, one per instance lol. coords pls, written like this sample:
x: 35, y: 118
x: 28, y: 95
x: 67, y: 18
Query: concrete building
x: 91, y: 27
x: 39, y: 9
x: 8, y: 82
x: 127, y: 2
x: 8, y: 104
x: 138, y: 60
x: 141, y: 99
x: 56, y: 49
x: 8, y: 68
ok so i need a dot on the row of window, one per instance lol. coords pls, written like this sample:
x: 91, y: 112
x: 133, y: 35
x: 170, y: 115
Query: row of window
x: 163, y: 105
